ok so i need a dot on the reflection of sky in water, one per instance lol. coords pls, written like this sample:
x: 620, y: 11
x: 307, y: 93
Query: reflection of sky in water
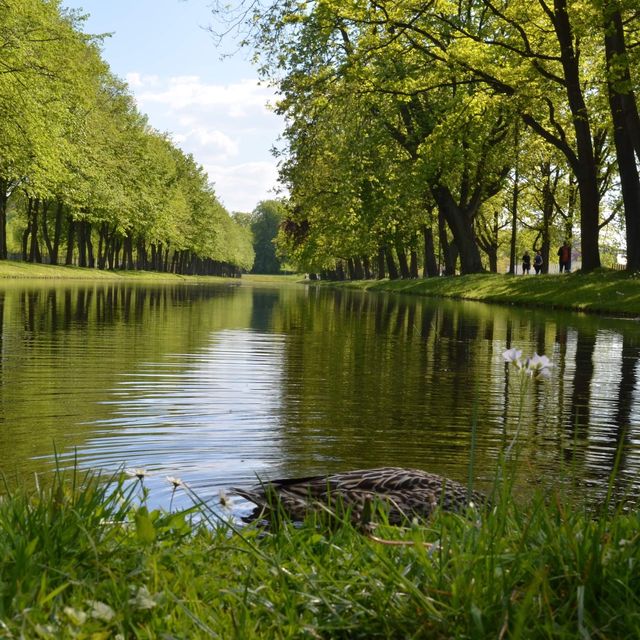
x: 209, y: 418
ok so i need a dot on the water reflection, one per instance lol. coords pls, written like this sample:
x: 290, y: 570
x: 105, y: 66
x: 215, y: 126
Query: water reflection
x: 217, y: 384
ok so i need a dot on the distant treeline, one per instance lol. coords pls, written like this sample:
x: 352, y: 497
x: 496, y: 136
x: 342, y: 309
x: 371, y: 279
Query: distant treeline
x: 84, y: 179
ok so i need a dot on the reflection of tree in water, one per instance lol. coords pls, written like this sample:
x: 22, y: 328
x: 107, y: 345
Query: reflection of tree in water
x: 577, y: 421
x: 626, y: 417
x: 64, y: 345
x: 372, y: 379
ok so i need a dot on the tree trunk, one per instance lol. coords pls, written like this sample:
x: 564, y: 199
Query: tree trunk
x: 142, y: 255
x: 585, y: 164
x: 45, y: 230
x: 91, y: 261
x: 430, y: 267
x: 128, y: 252
x: 351, y: 270
x: 4, y: 198
x: 71, y: 232
x: 366, y: 266
x: 405, y: 274
x: 548, y: 203
x: 82, y: 244
x: 513, y: 257
x: 461, y: 224
x: 381, y: 257
x: 358, y: 271
x: 57, y: 232
x: 34, y: 248
x: 103, y: 245
x: 391, y: 264
x: 413, y: 264
x: 626, y: 127
x: 447, y: 250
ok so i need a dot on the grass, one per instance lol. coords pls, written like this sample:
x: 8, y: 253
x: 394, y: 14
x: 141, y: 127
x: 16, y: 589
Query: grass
x: 16, y: 270
x: 11, y: 269
x: 601, y: 291
x: 84, y: 559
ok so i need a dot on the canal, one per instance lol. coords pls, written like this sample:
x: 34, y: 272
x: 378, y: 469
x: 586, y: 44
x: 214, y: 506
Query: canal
x: 220, y: 384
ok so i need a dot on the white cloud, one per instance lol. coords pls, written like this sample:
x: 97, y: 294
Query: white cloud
x: 228, y: 128
x: 240, y: 187
x: 206, y: 138
x: 182, y: 92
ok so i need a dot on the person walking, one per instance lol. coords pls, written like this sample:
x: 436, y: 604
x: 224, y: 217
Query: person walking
x: 537, y: 262
x: 564, y: 257
x: 526, y: 263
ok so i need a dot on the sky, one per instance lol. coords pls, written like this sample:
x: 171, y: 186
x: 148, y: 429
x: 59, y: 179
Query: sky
x: 211, y: 104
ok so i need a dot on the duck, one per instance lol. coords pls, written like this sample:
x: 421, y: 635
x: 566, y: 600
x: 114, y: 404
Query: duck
x: 403, y: 494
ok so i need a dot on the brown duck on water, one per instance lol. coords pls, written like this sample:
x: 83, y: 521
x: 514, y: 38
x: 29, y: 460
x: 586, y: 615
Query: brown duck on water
x: 402, y: 493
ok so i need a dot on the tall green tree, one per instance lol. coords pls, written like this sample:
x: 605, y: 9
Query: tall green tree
x: 266, y: 219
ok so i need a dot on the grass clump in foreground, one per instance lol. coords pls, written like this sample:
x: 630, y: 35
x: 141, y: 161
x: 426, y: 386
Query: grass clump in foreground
x: 83, y: 559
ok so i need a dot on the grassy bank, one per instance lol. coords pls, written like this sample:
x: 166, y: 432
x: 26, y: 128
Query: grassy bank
x: 603, y: 291
x: 11, y: 269
x: 610, y: 292
x: 15, y: 270
x: 80, y: 560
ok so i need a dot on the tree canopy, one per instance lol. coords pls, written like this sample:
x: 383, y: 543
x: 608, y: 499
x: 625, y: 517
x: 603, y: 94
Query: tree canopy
x: 452, y: 126
x: 81, y: 170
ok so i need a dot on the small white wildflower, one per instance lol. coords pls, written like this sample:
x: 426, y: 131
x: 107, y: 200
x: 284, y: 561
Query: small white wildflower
x: 543, y: 373
x: 76, y: 616
x: 101, y: 611
x: 137, y: 473
x: 46, y: 631
x: 513, y: 355
x: 538, y: 366
x: 176, y: 482
x: 143, y: 599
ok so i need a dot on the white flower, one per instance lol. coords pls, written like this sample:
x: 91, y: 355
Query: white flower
x: 538, y: 366
x: 76, y: 616
x: 176, y: 482
x: 513, y: 355
x: 137, y: 473
x: 542, y: 373
x: 142, y: 599
x: 101, y: 611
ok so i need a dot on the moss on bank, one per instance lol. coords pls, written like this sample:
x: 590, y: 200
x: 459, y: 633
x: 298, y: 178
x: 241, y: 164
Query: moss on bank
x: 602, y: 291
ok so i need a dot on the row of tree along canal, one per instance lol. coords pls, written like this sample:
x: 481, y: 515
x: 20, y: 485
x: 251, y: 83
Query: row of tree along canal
x: 463, y: 133
x: 84, y: 179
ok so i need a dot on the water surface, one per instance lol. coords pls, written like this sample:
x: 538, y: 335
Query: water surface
x: 220, y: 384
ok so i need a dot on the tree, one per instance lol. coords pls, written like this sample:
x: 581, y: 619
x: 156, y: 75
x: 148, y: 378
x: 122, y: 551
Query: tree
x: 265, y: 223
x: 624, y: 114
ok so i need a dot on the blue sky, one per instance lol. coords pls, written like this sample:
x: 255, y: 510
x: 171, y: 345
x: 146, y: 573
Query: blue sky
x: 213, y: 108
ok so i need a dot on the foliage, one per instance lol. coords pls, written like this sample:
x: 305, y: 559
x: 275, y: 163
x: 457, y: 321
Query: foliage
x: 393, y: 109
x: 265, y: 222
x: 73, y: 141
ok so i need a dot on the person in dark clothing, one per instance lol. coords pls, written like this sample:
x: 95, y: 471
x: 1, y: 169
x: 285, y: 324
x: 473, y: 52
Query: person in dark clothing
x: 564, y: 258
x: 537, y: 262
x: 526, y: 263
